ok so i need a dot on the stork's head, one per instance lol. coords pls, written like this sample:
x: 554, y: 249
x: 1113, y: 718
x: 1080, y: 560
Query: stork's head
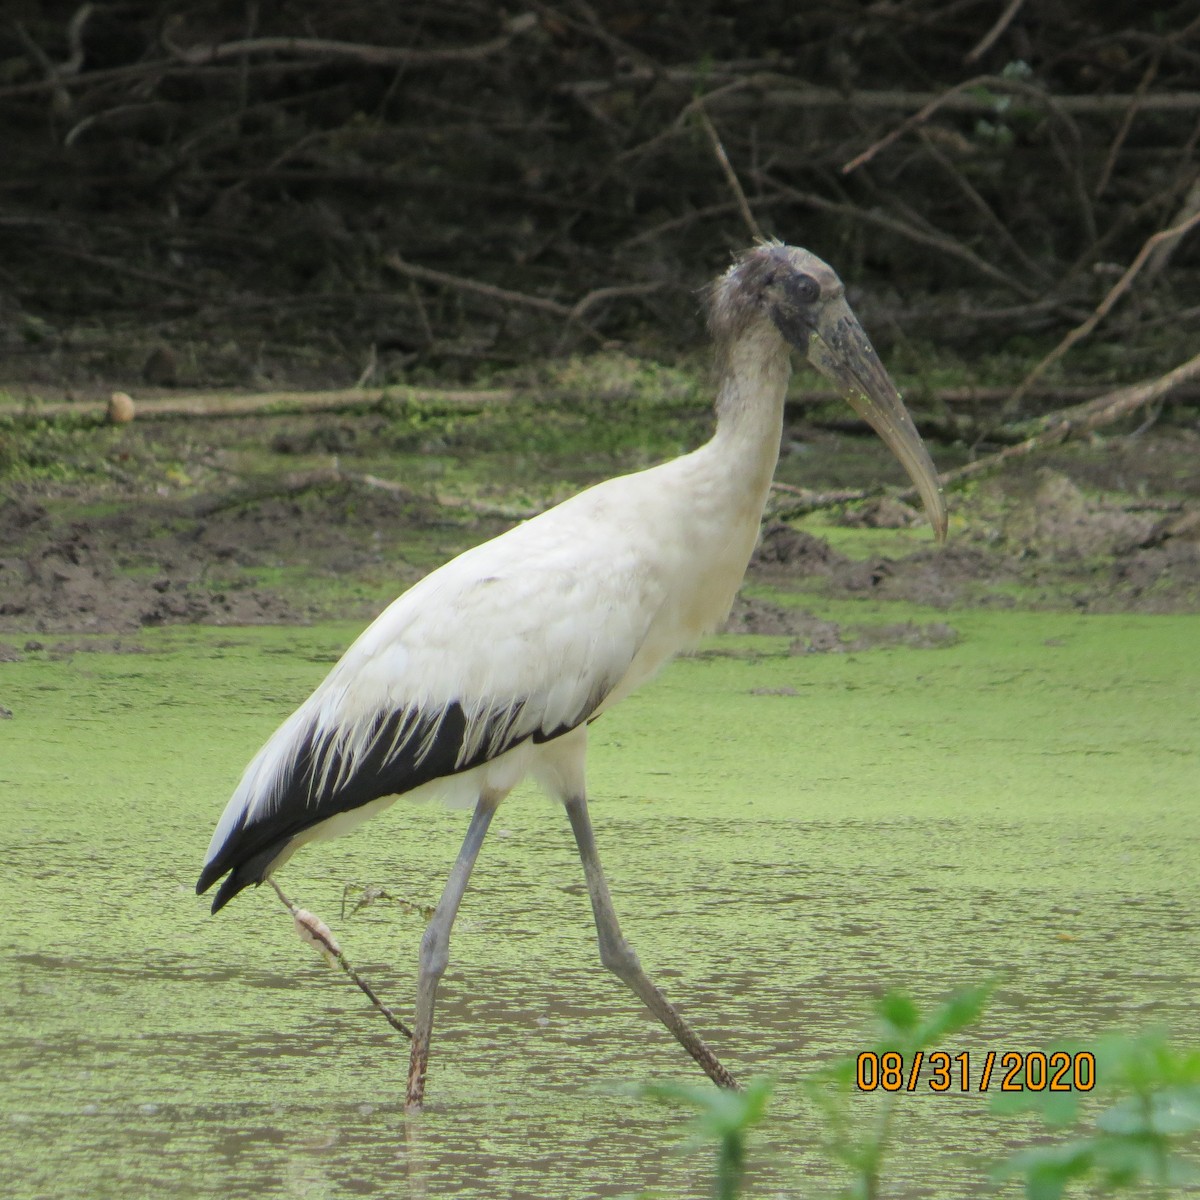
x: 783, y: 292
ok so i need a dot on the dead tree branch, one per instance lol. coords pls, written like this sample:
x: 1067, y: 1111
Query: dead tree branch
x: 936, y: 241
x: 1051, y: 430
x: 210, y: 405
x: 462, y: 284
x: 727, y: 170
x: 1162, y: 237
x: 1078, y: 421
x: 383, y: 56
x: 990, y: 38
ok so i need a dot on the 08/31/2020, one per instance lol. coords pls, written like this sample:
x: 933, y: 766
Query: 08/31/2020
x: 1032, y: 1071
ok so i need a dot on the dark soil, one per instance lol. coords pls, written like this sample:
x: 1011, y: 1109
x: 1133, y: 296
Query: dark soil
x: 159, y: 564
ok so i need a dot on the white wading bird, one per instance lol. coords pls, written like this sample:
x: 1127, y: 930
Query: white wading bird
x: 490, y: 668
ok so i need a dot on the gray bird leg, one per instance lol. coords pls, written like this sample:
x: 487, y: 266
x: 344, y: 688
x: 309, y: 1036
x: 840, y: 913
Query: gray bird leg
x: 618, y: 955
x: 435, y: 947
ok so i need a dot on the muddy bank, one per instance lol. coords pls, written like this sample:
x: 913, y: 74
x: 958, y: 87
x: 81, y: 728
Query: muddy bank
x: 1019, y: 543
x: 291, y: 518
x: 1034, y: 540
x: 161, y: 564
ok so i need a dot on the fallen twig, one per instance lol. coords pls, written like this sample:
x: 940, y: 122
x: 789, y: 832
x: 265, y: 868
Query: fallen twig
x: 1051, y: 430
x: 810, y: 499
x: 294, y: 484
x: 215, y: 405
x: 299, y: 482
x: 480, y: 510
x: 222, y: 404
x: 1103, y: 410
x: 315, y: 932
x: 370, y: 893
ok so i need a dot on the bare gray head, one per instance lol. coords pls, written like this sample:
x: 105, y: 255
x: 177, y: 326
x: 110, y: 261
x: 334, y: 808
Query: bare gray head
x: 770, y: 282
x: 775, y: 296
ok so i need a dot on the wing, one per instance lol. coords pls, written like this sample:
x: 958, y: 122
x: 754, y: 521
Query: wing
x: 521, y: 638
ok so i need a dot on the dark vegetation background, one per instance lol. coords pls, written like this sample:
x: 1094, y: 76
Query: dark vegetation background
x: 254, y: 194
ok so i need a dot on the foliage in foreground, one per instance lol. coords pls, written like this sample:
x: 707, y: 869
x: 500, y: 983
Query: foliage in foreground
x: 1152, y: 1093
x: 1156, y: 1093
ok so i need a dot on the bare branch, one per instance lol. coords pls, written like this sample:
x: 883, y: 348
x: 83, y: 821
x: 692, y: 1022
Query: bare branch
x: 937, y: 241
x: 971, y: 96
x: 218, y: 405
x: 1083, y: 419
x: 781, y: 91
x: 1114, y: 150
x: 1105, y: 306
x: 386, y: 56
x: 1052, y: 430
x: 601, y: 294
x: 981, y: 206
x: 462, y: 284
x: 989, y: 39
x: 1161, y: 254
x: 727, y: 168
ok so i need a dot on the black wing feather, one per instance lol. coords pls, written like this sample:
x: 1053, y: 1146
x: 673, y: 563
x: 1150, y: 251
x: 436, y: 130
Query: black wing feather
x: 253, y: 845
x: 430, y: 751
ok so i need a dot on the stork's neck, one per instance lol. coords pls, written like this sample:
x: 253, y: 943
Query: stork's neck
x: 751, y: 387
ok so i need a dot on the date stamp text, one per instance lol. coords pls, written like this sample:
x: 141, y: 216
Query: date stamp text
x: 1001, y: 1071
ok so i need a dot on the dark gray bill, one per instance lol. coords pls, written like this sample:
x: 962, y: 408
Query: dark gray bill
x: 841, y: 351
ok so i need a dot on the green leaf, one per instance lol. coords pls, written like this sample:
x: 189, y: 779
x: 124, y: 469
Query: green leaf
x: 720, y: 1113
x: 899, y: 1011
x: 1161, y: 1114
x: 1048, y: 1169
x: 960, y: 1009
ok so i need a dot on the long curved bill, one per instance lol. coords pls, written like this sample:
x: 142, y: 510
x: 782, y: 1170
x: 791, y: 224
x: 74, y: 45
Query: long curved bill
x: 843, y: 353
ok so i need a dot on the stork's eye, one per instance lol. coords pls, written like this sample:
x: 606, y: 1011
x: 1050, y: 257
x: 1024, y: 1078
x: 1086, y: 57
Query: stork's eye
x: 802, y: 289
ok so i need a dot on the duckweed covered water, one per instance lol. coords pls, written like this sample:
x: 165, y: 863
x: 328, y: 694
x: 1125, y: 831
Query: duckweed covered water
x: 786, y: 838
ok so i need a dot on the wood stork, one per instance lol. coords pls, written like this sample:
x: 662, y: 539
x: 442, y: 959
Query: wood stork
x: 492, y: 667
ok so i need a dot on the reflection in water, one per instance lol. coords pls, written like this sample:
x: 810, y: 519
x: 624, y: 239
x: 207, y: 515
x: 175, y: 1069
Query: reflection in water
x: 148, y: 1050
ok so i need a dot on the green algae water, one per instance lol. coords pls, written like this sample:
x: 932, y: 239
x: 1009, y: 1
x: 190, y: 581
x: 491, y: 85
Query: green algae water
x: 786, y: 838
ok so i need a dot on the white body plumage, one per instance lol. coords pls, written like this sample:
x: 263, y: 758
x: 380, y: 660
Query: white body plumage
x: 542, y: 628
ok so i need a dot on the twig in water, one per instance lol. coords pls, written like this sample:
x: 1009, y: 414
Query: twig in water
x: 369, y: 893
x: 315, y: 932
